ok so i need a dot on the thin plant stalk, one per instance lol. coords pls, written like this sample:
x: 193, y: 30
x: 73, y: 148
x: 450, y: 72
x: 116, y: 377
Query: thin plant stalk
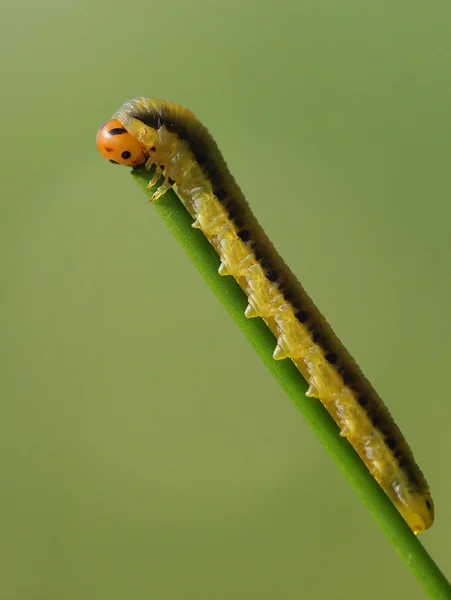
x: 228, y: 292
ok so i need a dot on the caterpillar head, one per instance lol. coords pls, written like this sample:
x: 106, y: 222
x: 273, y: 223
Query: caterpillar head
x: 116, y: 144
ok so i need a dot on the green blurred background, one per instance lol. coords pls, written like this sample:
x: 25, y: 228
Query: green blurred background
x: 145, y: 451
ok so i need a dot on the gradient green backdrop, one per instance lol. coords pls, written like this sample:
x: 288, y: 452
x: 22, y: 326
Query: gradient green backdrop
x: 145, y: 451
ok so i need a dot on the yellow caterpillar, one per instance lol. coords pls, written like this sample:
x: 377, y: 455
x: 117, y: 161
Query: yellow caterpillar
x: 156, y: 132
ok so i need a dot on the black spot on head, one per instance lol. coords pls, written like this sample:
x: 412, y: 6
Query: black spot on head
x: 171, y: 181
x: 331, y: 357
x: 429, y: 504
x: 126, y: 154
x: 301, y: 316
x: 152, y: 149
x: 244, y: 235
x: 113, y: 161
x: 390, y: 443
x: 117, y: 131
x: 362, y: 400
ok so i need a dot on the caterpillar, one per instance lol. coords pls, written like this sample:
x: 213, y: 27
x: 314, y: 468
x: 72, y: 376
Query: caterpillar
x: 152, y: 132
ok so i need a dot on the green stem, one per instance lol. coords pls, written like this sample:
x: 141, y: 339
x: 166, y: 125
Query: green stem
x: 205, y: 259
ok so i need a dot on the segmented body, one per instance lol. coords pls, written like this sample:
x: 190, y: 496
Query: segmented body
x: 182, y: 148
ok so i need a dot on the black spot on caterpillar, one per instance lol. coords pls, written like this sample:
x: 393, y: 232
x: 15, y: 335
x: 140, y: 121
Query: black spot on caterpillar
x: 117, y: 131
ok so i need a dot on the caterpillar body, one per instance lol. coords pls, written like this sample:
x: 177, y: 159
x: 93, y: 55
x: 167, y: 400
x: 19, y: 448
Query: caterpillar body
x: 161, y: 133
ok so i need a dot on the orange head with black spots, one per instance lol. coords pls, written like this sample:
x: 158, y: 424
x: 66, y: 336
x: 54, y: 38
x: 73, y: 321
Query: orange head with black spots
x: 119, y: 147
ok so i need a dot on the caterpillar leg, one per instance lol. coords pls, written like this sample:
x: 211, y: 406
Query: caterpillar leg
x: 156, y: 176
x: 164, y: 187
